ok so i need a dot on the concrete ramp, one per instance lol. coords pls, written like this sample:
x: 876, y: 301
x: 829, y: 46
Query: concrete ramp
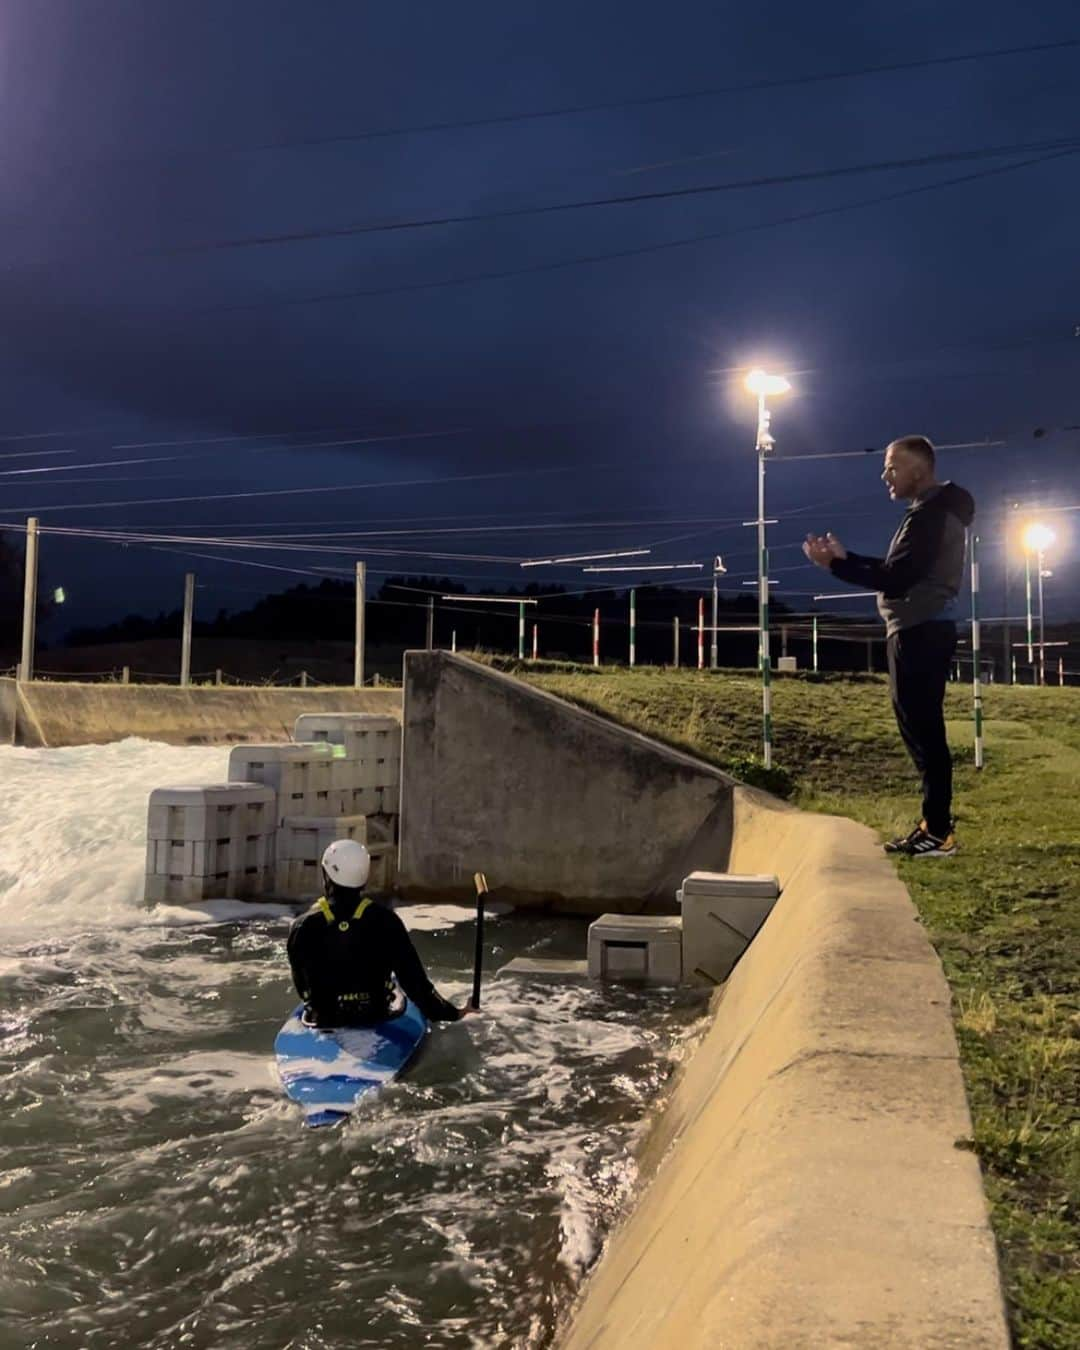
x: 803, y: 1185
x: 44, y: 713
x: 559, y: 807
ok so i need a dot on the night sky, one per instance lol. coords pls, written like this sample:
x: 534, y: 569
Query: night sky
x: 521, y: 381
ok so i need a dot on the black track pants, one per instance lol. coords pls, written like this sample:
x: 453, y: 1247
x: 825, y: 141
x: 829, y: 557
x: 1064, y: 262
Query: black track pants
x: 919, y: 660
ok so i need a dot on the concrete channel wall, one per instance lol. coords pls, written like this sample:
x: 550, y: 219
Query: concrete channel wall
x: 559, y: 807
x: 46, y: 713
x: 803, y: 1185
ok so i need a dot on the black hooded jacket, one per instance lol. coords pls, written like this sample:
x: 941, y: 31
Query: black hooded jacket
x: 343, y: 958
x: 920, y: 577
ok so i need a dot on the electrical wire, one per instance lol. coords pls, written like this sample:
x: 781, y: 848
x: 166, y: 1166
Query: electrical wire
x: 537, y: 269
x: 1067, y: 144
x: 640, y: 101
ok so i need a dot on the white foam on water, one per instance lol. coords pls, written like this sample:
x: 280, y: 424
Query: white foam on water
x: 73, y: 829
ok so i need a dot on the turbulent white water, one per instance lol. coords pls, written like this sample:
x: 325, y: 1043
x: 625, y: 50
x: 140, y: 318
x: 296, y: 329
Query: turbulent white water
x: 157, y: 1190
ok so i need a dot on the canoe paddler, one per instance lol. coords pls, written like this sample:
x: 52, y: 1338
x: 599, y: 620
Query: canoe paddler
x: 347, y: 950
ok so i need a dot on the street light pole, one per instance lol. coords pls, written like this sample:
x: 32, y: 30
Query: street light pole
x: 760, y: 383
x: 1042, y: 630
x: 1037, y: 539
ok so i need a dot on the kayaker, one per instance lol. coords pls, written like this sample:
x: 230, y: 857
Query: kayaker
x: 346, y: 950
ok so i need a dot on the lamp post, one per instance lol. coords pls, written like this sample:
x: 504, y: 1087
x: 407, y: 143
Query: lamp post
x: 1037, y: 539
x: 762, y: 384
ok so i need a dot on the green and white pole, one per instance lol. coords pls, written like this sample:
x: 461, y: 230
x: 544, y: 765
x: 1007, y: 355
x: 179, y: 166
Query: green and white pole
x: 976, y: 680
x: 633, y: 627
x: 764, y: 441
x: 521, y: 630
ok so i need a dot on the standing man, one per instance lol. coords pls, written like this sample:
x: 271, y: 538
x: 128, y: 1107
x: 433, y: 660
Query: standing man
x: 917, y: 583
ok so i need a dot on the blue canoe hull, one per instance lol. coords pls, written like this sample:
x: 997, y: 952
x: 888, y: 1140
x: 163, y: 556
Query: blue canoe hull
x: 329, y: 1072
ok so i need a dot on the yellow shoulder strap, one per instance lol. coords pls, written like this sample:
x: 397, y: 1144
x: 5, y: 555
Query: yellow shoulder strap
x: 323, y: 906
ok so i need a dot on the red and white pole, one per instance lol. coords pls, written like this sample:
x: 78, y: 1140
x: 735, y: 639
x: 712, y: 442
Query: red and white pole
x: 596, y: 637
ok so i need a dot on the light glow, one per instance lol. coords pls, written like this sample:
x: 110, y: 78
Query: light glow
x: 1038, y: 537
x: 760, y: 382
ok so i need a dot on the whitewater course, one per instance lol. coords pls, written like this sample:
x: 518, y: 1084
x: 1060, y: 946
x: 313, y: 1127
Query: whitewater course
x: 770, y: 1162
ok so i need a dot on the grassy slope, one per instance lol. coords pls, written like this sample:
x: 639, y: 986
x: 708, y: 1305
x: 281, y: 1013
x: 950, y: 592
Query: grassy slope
x: 1003, y: 915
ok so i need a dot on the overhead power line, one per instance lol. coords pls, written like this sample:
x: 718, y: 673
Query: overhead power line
x: 642, y: 100
x: 632, y: 198
x: 338, y: 297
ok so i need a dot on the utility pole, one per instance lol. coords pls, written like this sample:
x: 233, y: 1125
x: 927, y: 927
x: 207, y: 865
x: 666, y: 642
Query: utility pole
x: 29, y: 628
x: 715, y: 617
x: 185, y: 641
x: 431, y: 623
x: 675, y: 621
x: 358, y: 638
x: 976, y: 681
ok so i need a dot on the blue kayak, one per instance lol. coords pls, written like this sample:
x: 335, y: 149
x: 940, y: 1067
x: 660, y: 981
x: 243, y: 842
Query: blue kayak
x: 329, y: 1071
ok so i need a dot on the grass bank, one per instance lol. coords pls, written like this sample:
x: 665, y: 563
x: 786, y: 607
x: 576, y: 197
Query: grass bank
x: 1004, y: 915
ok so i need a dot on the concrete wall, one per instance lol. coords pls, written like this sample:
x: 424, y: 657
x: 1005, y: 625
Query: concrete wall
x: 558, y: 806
x: 8, y: 707
x: 43, y: 713
x: 802, y: 1186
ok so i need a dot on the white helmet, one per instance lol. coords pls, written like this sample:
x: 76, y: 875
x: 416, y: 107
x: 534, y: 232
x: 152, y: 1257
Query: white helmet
x: 347, y: 863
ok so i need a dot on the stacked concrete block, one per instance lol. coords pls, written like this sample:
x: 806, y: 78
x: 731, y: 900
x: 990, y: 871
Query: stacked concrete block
x: 205, y: 843
x: 371, y: 743
x: 384, y: 873
x: 301, y: 843
x: 302, y: 777
x: 637, y: 947
x: 721, y: 913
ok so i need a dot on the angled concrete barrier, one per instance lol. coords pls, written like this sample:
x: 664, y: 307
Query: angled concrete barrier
x: 47, y: 713
x: 802, y: 1186
x: 558, y: 806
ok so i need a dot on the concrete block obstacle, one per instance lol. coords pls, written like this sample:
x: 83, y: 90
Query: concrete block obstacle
x: 342, y: 785
x: 299, y: 846
x: 370, y: 756
x: 721, y: 915
x: 205, y: 843
x: 301, y: 777
x: 636, y: 947
x: 567, y: 810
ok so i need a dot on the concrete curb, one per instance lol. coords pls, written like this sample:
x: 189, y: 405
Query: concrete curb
x: 802, y: 1184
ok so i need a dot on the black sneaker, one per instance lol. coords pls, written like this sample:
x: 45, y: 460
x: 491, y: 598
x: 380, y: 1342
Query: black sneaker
x: 922, y: 844
x: 901, y: 842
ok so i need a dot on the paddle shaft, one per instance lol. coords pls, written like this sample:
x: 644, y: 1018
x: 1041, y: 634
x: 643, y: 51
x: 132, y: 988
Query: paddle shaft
x: 478, y: 957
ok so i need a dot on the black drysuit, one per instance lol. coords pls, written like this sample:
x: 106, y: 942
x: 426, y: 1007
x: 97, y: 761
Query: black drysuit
x: 917, y: 583
x: 344, y: 956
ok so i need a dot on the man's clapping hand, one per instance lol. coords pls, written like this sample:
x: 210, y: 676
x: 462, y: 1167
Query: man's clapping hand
x: 822, y: 549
